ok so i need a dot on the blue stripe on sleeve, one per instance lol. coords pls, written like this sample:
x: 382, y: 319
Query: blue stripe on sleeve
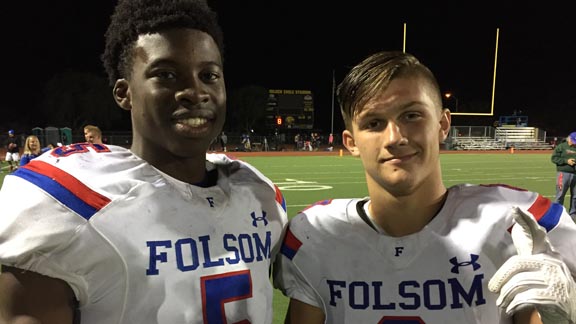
x: 552, y: 216
x: 57, y: 191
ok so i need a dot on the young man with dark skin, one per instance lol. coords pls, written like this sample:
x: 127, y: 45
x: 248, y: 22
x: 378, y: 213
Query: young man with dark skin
x: 415, y: 251
x: 160, y: 233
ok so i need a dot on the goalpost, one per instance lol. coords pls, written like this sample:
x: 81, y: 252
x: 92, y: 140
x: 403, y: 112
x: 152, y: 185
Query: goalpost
x: 455, y: 113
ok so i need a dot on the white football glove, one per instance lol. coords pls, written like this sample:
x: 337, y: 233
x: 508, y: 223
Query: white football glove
x: 536, y: 277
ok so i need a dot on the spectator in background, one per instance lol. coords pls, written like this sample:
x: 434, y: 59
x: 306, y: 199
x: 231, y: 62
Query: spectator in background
x: 564, y: 156
x: 223, y: 141
x: 93, y: 134
x: 32, y: 149
x: 12, y: 151
x: 314, y: 141
x: 330, y: 142
x: 297, y: 141
x: 246, y: 143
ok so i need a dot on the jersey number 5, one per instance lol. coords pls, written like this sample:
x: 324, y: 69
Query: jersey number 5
x: 401, y: 320
x: 224, y: 288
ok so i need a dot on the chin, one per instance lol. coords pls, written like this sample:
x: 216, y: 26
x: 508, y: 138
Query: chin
x: 402, y: 189
x: 403, y: 181
x: 188, y: 151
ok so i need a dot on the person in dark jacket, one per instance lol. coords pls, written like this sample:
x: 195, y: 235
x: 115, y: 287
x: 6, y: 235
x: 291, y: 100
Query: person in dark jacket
x: 564, y: 157
x: 12, y: 151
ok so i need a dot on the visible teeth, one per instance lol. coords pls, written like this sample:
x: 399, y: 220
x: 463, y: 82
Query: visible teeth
x: 194, y: 122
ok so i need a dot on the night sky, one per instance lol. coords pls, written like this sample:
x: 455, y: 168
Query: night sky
x: 301, y: 44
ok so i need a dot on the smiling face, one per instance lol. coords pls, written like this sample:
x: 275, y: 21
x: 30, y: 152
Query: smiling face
x: 397, y: 135
x: 33, y: 144
x: 176, y: 94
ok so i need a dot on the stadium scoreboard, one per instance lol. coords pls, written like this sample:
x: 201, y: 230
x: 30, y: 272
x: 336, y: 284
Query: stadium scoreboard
x: 290, y: 109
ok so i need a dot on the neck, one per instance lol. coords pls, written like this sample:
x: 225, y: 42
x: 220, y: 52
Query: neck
x: 405, y: 215
x: 187, y: 169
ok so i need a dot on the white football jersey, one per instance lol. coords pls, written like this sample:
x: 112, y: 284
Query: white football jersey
x: 333, y: 258
x: 138, y: 246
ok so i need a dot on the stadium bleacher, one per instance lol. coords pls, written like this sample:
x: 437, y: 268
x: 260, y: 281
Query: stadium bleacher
x: 498, y: 138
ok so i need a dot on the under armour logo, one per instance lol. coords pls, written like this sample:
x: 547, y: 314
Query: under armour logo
x: 472, y: 262
x: 256, y: 219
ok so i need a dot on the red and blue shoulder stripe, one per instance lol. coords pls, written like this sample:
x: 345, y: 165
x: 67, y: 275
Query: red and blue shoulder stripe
x: 321, y: 203
x: 63, y: 187
x: 290, y: 245
x: 280, y: 198
x: 546, y: 212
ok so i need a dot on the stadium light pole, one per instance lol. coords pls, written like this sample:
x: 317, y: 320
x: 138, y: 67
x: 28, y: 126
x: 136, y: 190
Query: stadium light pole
x: 404, y: 38
x: 333, y: 94
x: 455, y: 113
x: 449, y: 95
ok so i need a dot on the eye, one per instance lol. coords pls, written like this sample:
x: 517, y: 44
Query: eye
x: 373, y: 124
x: 166, y: 75
x: 412, y: 116
x: 210, y: 76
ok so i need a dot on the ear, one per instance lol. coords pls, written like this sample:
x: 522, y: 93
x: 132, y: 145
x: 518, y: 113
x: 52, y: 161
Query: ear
x: 349, y: 142
x: 445, y: 122
x: 122, y: 94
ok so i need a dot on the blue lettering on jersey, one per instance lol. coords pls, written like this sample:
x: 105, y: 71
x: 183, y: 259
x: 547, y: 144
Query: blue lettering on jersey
x: 78, y: 148
x: 431, y: 294
x: 190, y: 253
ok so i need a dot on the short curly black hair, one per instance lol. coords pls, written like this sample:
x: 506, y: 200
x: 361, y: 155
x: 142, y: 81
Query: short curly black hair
x: 132, y: 18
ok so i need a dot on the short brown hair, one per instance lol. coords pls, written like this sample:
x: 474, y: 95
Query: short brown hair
x: 372, y: 75
x: 93, y: 129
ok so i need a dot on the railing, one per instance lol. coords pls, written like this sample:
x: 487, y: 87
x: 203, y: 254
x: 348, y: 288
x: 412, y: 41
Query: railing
x: 501, y: 138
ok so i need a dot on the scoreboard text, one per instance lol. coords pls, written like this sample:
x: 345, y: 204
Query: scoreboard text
x: 292, y: 109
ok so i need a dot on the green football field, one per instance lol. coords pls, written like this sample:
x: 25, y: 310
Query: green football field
x: 306, y: 179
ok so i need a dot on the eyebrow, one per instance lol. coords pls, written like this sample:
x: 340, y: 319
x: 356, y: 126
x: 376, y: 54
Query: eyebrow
x: 168, y: 61
x: 375, y: 108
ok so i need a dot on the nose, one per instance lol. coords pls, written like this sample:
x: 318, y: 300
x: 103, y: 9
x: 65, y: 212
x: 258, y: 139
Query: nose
x: 393, y: 135
x: 192, y: 93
